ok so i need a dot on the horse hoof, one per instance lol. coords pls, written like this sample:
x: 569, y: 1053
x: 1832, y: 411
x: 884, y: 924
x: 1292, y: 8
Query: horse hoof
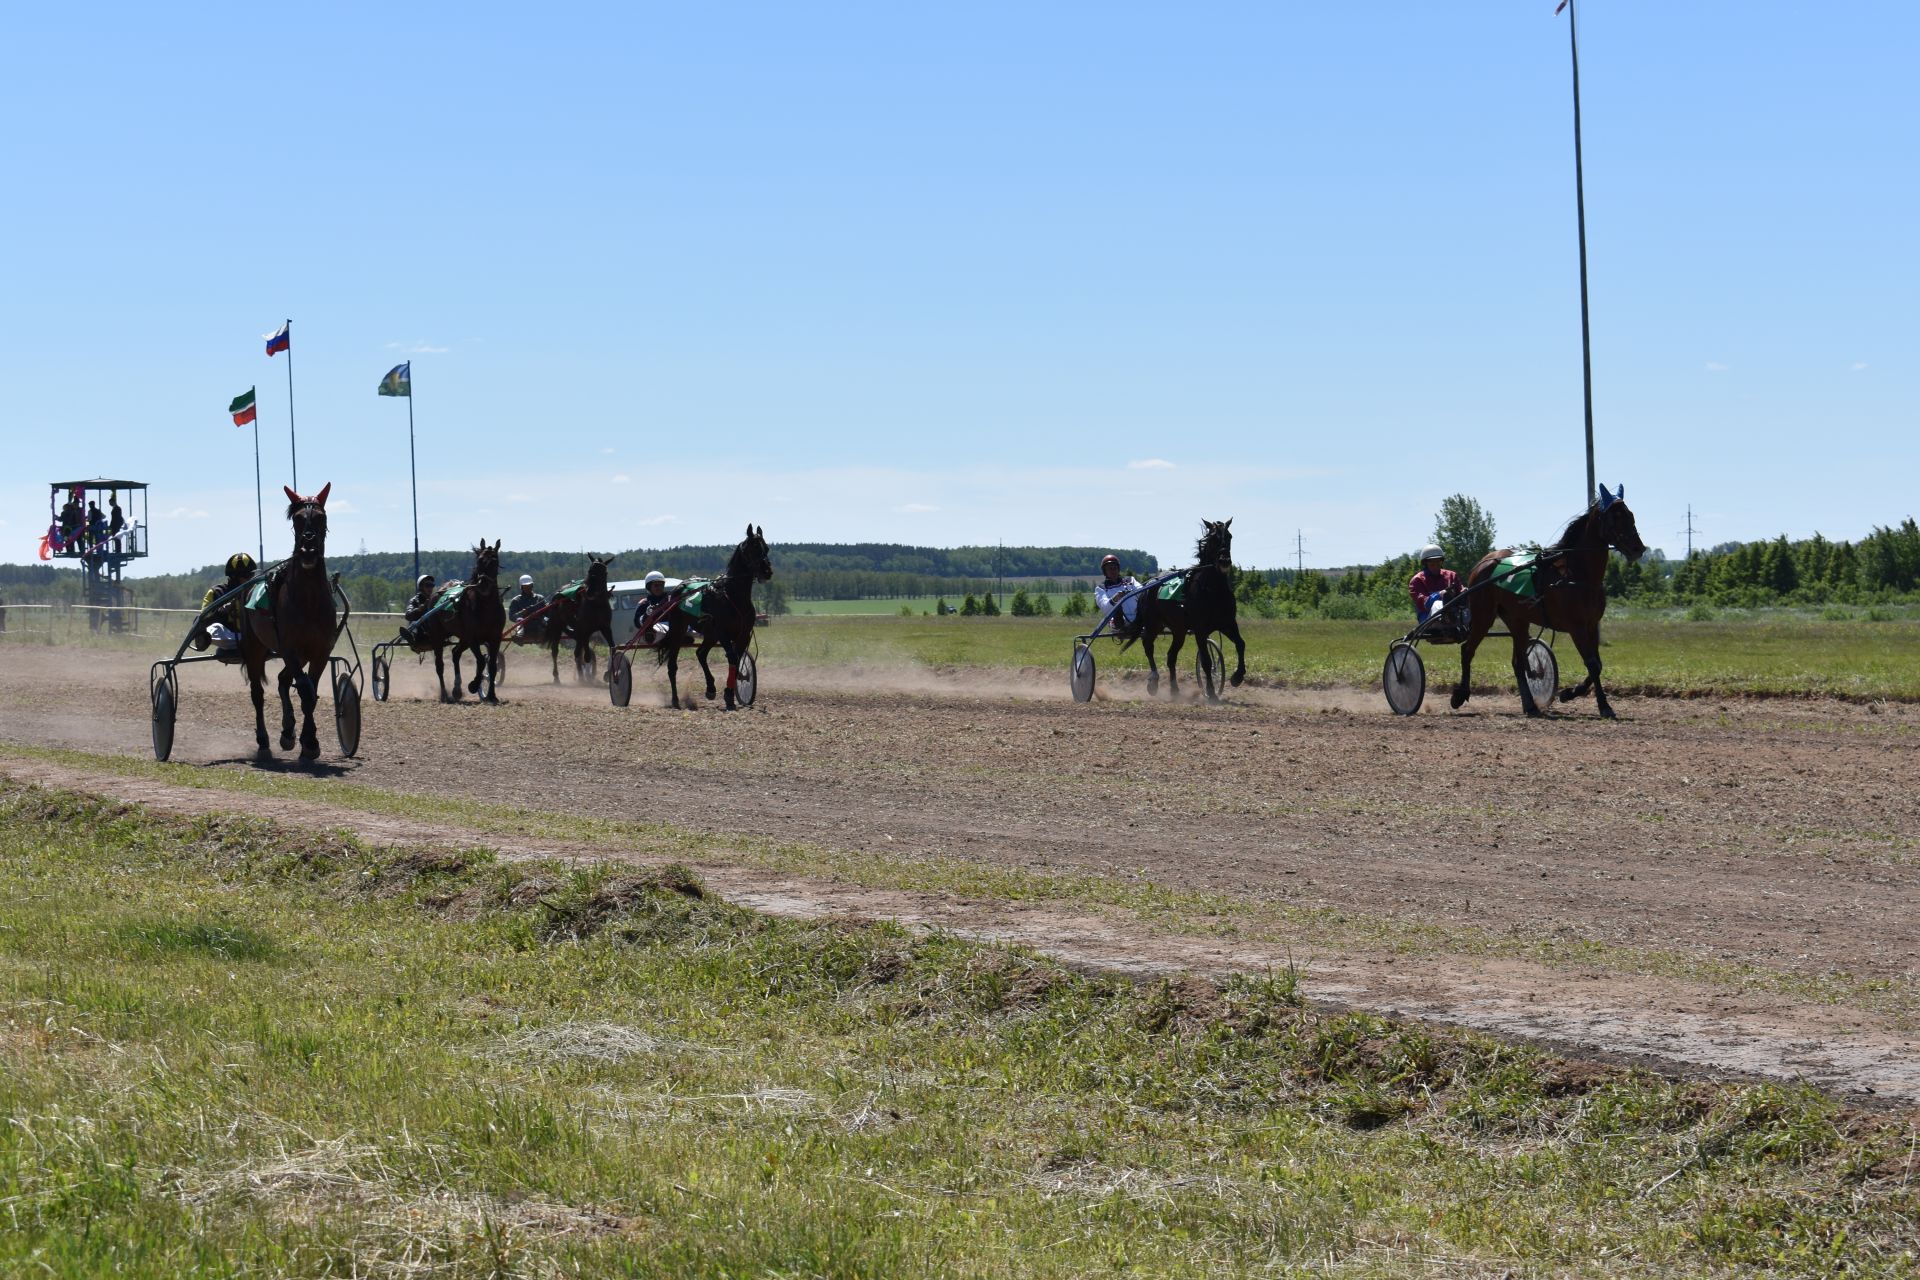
x: 1238, y: 676
x: 1607, y: 713
x: 286, y: 742
x: 1459, y: 699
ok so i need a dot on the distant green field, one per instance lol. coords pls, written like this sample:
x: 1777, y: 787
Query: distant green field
x: 891, y: 608
x: 1848, y: 659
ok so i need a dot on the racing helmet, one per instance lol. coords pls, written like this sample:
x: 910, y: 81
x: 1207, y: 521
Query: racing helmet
x: 655, y: 576
x: 240, y: 564
x: 1109, y: 560
x: 1431, y: 552
x: 526, y: 579
x: 422, y: 581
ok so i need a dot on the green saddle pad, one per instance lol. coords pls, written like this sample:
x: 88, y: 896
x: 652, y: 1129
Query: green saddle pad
x: 257, y: 598
x: 1515, y: 575
x: 571, y: 590
x: 694, y: 602
x: 1174, y: 588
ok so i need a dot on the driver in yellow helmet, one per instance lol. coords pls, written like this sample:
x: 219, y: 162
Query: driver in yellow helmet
x: 223, y: 630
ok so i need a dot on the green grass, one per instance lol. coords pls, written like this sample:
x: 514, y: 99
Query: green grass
x: 1763, y: 655
x: 231, y: 1049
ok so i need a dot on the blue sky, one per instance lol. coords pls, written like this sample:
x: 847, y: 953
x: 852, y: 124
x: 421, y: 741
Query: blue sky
x: 1061, y: 273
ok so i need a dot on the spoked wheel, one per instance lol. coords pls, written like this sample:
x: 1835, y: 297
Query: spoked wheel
x: 346, y: 713
x: 1211, y: 686
x: 166, y: 702
x: 619, y: 678
x: 382, y: 678
x: 1543, y: 673
x: 1080, y: 676
x: 746, y: 683
x: 1404, y: 678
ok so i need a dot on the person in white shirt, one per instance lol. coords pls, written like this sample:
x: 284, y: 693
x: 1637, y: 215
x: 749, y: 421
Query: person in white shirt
x: 1117, y: 588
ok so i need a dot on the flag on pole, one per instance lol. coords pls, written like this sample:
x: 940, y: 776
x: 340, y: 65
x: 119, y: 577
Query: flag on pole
x: 280, y: 340
x: 399, y: 381
x: 242, y: 409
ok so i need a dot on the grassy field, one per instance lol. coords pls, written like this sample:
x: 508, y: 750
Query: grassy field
x: 891, y: 608
x: 1771, y: 654
x: 231, y: 1049
x: 1762, y: 656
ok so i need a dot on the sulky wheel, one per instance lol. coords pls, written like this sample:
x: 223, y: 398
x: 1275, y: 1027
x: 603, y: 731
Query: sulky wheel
x: 382, y: 678
x: 1210, y: 649
x: 1081, y: 674
x: 166, y: 701
x: 746, y: 684
x: 1543, y: 673
x: 1404, y: 678
x: 346, y: 713
x: 619, y: 678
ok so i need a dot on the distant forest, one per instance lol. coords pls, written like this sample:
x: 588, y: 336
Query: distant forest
x: 802, y: 571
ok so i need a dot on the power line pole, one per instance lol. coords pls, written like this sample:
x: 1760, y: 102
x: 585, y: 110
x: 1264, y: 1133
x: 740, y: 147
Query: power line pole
x: 1690, y: 531
x: 1299, y: 555
x: 1580, y: 204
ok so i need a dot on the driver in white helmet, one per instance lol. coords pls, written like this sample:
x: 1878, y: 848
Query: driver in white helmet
x: 1435, y: 584
x: 650, y: 620
x: 526, y: 601
x: 1117, y: 588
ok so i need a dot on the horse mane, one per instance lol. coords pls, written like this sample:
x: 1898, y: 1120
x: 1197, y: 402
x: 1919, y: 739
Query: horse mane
x: 738, y: 561
x: 1576, y: 530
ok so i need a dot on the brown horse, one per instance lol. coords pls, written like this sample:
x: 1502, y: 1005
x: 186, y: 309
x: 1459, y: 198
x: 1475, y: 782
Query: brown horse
x: 1208, y: 606
x: 472, y: 622
x: 298, y: 627
x: 726, y: 618
x: 583, y: 611
x: 1572, y: 597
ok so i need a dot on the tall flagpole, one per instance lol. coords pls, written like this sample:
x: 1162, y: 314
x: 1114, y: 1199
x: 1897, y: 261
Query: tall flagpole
x: 292, y: 440
x: 1580, y: 203
x: 414, y: 473
x: 259, y: 505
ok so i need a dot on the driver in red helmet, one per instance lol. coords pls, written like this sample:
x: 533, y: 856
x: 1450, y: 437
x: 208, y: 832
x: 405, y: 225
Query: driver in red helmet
x: 1117, y: 588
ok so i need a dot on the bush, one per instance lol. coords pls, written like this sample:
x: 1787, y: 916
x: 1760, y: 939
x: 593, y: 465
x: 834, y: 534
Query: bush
x: 1022, y: 605
x: 1834, y: 613
x: 1344, y: 608
x: 970, y: 607
x: 1700, y: 613
x: 1076, y: 606
x: 1043, y: 606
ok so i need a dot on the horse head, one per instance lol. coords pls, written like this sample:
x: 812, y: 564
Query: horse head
x: 1216, y: 544
x: 597, y: 575
x: 1617, y: 523
x: 309, y: 517
x: 486, y: 565
x: 752, y: 556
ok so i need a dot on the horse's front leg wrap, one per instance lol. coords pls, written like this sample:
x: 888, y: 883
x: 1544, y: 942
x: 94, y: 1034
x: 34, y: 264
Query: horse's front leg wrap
x: 733, y: 678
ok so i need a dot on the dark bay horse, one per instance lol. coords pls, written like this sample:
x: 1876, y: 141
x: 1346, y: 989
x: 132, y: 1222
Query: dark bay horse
x: 582, y: 614
x: 298, y: 627
x: 1572, y: 597
x: 1209, y: 606
x: 726, y: 618
x: 471, y: 623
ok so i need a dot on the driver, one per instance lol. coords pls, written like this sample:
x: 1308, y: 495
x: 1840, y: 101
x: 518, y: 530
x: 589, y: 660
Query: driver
x: 527, y: 601
x: 223, y: 630
x: 650, y: 619
x: 1434, y: 585
x: 1117, y: 588
x: 418, y: 606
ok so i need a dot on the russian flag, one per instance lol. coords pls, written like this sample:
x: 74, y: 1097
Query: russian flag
x: 280, y: 340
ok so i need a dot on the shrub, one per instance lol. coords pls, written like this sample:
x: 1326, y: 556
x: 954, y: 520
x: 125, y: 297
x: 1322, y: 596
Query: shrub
x: 970, y: 607
x: 1022, y: 605
x: 1076, y: 606
x: 1344, y: 608
x: 1700, y: 613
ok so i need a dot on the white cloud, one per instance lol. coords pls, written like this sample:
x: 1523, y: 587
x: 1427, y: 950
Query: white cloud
x: 621, y: 479
x: 655, y: 521
x: 915, y: 508
x: 1714, y: 366
x: 607, y: 449
x: 185, y: 513
x: 1150, y: 464
x: 417, y: 348
x: 1858, y: 365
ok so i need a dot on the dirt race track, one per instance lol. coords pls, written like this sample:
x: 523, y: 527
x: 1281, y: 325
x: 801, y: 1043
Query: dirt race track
x: 1747, y: 867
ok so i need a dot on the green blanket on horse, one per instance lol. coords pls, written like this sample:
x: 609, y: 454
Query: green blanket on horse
x: 1174, y: 588
x: 1515, y: 574
x: 693, y: 599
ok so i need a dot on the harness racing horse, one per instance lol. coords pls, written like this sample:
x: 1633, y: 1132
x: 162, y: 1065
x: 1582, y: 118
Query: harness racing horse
x: 726, y: 617
x: 583, y: 614
x: 1572, y: 603
x: 1208, y: 606
x: 298, y: 626
x: 471, y: 623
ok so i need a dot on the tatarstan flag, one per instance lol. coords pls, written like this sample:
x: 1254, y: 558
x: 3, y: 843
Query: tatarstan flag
x: 242, y: 409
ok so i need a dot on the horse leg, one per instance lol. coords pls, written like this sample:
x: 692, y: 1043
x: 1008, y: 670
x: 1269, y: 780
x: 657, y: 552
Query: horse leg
x: 1231, y: 630
x: 673, y: 671
x: 1522, y: 637
x: 440, y: 672
x: 458, y: 649
x: 553, y: 648
x: 286, y: 706
x: 1463, y: 690
x: 1153, y: 672
x: 1174, y: 642
x: 308, y: 682
x: 706, y: 668
x: 1589, y: 647
x: 493, y: 667
x: 257, y: 685
x: 733, y: 670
